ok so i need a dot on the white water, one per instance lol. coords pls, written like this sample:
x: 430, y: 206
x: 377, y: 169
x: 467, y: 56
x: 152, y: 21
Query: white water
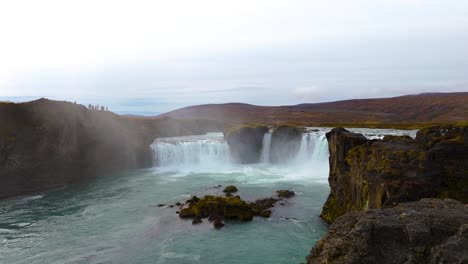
x: 265, y: 156
x: 210, y: 153
x: 191, y: 152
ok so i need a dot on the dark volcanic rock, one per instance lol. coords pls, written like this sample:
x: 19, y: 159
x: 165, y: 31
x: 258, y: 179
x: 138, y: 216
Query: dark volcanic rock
x: 342, y: 195
x: 262, y: 207
x: 232, y: 207
x: 245, y: 142
x: 230, y: 189
x: 197, y: 220
x: 285, y: 143
x: 367, y: 174
x: 428, y: 231
x: 285, y: 193
x: 218, y: 224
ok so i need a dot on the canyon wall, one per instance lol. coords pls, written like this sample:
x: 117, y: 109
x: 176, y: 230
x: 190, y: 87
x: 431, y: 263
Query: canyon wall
x: 46, y: 144
x: 368, y: 174
x: 378, y: 203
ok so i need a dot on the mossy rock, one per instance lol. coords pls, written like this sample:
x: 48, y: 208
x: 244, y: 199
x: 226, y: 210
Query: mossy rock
x: 230, y: 189
x: 241, y: 212
x: 285, y: 193
x: 230, y: 207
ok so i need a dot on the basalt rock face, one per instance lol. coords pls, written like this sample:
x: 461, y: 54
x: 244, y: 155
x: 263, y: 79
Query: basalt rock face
x: 245, y: 142
x: 46, y: 144
x: 285, y: 143
x: 427, y: 231
x: 369, y: 174
x: 346, y: 192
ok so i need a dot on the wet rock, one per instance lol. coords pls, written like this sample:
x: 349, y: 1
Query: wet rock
x: 192, y: 200
x: 214, y: 217
x: 196, y: 220
x: 171, y: 206
x: 178, y: 204
x: 161, y: 205
x: 245, y: 142
x: 218, y: 224
x: 230, y: 189
x: 261, y: 207
x: 232, y: 207
x: 427, y: 231
x: 285, y: 193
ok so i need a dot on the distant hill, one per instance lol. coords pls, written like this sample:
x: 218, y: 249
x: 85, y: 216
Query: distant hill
x: 421, y: 108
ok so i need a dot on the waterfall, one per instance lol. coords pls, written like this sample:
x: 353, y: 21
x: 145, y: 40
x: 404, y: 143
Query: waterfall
x: 265, y: 156
x: 210, y: 152
x: 191, y: 152
x: 313, y: 149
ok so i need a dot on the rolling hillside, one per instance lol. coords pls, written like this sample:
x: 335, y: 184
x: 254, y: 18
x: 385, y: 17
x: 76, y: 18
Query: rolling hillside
x: 422, y: 108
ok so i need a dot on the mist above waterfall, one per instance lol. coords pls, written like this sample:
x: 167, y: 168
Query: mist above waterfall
x: 210, y: 153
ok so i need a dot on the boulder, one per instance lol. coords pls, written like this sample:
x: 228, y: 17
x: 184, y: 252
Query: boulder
x: 197, y: 220
x: 427, y: 231
x: 262, y: 207
x: 285, y: 193
x: 230, y: 189
x: 218, y: 224
x: 245, y: 142
x: 232, y: 207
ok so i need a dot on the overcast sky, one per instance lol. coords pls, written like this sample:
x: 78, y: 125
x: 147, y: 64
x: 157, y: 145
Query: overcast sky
x: 154, y: 56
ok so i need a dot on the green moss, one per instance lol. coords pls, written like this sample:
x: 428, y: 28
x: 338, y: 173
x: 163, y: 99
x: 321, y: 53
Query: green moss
x: 329, y: 211
x: 225, y: 206
x: 355, y: 154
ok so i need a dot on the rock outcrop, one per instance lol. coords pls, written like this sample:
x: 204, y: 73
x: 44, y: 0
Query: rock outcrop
x: 229, y: 207
x: 368, y: 174
x: 285, y: 143
x: 245, y: 142
x: 346, y: 192
x: 429, y: 231
x: 46, y: 144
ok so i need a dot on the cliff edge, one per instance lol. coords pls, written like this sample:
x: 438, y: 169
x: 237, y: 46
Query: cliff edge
x: 371, y: 174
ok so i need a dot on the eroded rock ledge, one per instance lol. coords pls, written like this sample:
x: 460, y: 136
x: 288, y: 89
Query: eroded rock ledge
x: 428, y: 231
x: 370, y: 174
x: 374, y: 202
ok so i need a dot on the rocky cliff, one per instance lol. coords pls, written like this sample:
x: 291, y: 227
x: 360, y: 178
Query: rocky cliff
x: 374, y: 202
x: 245, y: 142
x: 367, y: 174
x: 46, y: 144
x: 430, y: 231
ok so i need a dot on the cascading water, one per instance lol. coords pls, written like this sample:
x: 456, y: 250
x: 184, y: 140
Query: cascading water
x: 191, y: 152
x: 266, y: 144
x: 314, y: 148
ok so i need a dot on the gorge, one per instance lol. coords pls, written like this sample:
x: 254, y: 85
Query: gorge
x: 74, y: 214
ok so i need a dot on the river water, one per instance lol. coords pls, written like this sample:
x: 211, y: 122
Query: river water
x: 116, y: 218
